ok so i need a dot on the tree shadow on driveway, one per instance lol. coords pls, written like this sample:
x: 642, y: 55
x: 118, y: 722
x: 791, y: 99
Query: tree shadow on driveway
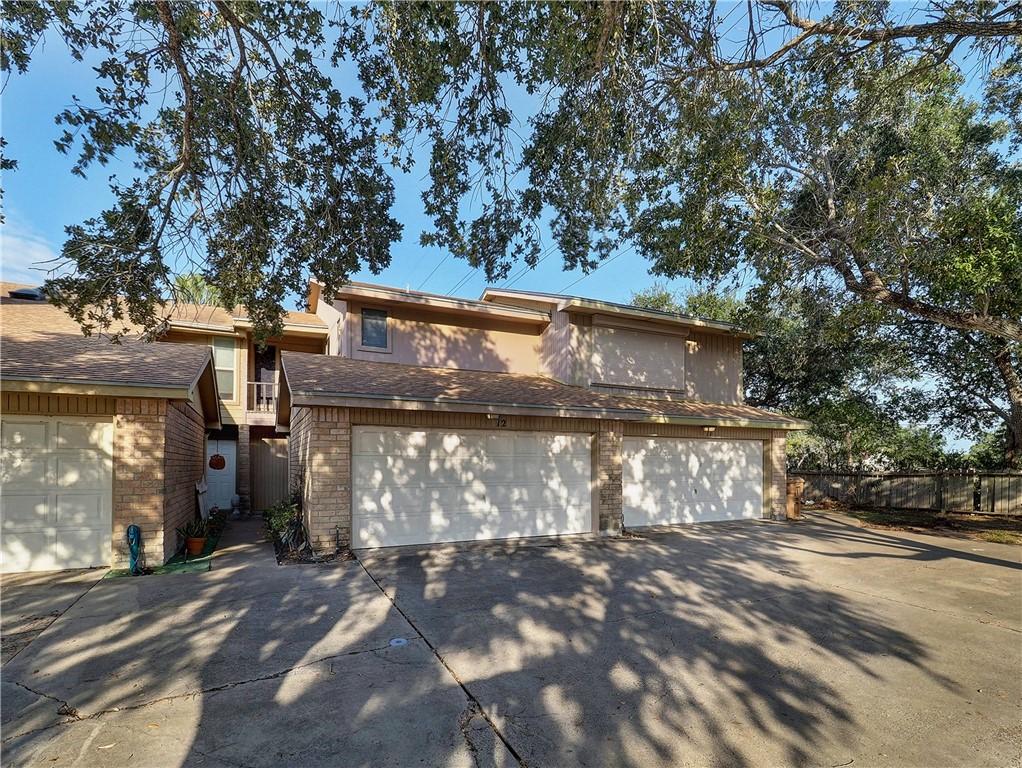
x: 715, y: 645
x: 708, y: 646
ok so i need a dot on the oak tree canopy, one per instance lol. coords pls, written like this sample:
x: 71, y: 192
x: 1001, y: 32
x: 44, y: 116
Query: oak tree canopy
x: 870, y: 147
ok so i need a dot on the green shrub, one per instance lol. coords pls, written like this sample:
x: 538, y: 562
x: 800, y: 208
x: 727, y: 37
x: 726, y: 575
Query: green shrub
x: 280, y: 516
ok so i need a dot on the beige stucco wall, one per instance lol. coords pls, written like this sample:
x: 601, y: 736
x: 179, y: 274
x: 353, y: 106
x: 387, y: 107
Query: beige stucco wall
x: 446, y: 341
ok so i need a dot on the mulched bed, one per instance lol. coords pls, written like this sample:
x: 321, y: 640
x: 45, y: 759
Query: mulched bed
x: 994, y: 528
x: 305, y: 556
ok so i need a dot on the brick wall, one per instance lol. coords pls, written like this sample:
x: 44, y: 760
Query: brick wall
x: 185, y: 463
x: 158, y: 457
x: 298, y: 449
x: 609, y: 498
x: 139, y: 466
x: 319, y: 449
x: 777, y: 475
x: 329, y: 513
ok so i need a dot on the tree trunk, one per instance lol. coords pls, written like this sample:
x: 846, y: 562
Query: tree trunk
x: 1013, y: 385
x: 1013, y: 445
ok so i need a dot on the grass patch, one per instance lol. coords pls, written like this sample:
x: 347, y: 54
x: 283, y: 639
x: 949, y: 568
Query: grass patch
x: 1002, y: 537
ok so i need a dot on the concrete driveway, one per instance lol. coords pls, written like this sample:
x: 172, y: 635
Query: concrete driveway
x: 815, y: 643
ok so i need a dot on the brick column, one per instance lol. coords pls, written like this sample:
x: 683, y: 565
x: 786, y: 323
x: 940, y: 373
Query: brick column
x: 139, y: 475
x: 777, y: 475
x: 327, y: 502
x: 608, y: 478
x: 244, y: 481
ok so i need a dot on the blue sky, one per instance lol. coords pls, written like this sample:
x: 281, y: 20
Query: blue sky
x: 42, y: 197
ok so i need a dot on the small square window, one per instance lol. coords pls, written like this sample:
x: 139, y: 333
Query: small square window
x: 374, y: 329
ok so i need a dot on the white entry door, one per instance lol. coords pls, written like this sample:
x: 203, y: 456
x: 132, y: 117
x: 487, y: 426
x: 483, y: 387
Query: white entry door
x: 55, y: 492
x: 426, y: 486
x: 221, y: 483
x: 667, y: 481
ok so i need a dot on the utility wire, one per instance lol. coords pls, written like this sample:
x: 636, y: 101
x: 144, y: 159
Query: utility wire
x: 439, y: 264
x: 598, y: 268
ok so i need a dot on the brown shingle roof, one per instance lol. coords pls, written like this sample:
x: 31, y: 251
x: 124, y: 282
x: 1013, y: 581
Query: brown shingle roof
x: 320, y: 376
x: 219, y: 318
x: 39, y: 342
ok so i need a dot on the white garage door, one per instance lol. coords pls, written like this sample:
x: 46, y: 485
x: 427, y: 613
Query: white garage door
x: 426, y: 486
x: 669, y: 481
x: 56, y: 493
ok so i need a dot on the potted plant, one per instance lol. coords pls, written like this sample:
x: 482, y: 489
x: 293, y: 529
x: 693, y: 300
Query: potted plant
x: 194, y: 533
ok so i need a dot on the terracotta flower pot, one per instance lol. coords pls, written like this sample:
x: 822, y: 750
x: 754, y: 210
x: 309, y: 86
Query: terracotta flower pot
x: 194, y: 546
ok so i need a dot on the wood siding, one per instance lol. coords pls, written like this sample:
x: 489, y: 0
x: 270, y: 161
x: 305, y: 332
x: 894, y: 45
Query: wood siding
x: 557, y: 356
x: 441, y: 419
x: 57, y: 405
x: 714, y: 367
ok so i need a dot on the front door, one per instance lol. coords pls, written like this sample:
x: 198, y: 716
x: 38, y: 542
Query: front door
x: 221, y: 484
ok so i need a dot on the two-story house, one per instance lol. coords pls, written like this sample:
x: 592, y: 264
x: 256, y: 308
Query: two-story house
x: 436, y: 419
x: 254, y: 472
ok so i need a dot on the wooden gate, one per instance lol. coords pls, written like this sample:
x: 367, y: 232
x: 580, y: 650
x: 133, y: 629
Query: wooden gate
x: 269, y: 472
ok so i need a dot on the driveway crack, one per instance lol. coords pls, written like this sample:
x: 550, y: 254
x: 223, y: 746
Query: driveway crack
x: 474, y: 701
x: 465, y: 723
x: 65, y: 709
x: 73, y: 715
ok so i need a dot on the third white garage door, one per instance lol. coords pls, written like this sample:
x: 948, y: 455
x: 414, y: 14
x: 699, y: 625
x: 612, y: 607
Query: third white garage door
x: 426, y: 486
x: 669, y: 481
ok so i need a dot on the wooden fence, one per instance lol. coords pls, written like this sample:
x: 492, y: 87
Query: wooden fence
x: 269, y: 472
x: 990, y: 493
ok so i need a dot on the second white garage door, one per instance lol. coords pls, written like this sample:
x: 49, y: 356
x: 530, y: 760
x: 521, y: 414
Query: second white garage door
x: 670, y: 481
x: 427, y: 486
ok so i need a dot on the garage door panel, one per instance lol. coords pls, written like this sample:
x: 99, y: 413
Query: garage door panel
x: 72, y: 436
x: 672, y: 481
x: 81, y: 547
x: 440, y: 486
x: 25, y: 471
x: 86, y: 509
x: 89, y: 470
x: 28, y: 551
x: 17, y: 435
x: 56, y: 493
x: 23, y: 510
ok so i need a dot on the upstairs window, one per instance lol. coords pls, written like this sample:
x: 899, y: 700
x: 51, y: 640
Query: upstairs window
x: 225, y: 366
x: 375, y: 332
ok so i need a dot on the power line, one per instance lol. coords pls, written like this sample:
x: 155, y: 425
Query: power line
x: 598, y: 268
x: 463, y: 280
x: 512, y: 280
x: 439, y: 264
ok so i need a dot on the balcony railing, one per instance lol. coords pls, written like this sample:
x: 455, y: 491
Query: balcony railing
x: 262, y: 396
